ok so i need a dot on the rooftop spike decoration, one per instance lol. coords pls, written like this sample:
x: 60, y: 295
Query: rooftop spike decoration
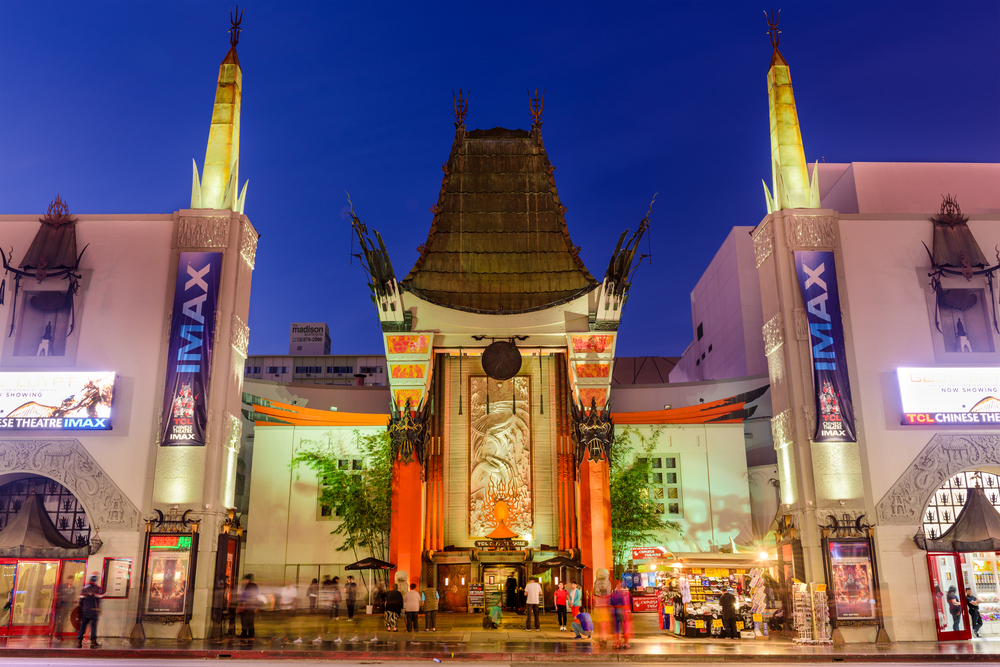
x: 461, y: 106
x: 535, y: 107
x: 790, y: 177
x: 219, y: 184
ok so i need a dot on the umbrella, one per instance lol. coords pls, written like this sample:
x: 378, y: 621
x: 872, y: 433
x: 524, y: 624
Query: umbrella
x: 558, y: 561
x: 370, y: 563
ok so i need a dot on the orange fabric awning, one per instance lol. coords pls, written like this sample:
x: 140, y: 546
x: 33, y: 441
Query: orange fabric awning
x: 298, y: 415
x: 730, y: 410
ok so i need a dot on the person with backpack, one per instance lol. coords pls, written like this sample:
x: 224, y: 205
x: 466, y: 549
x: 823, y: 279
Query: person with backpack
x: 90, y: 609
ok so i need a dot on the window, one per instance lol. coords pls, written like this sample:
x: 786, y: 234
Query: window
x: 326, y: 511
x: 673, y: 508
x: 370, y: 370
x: 340, y: 369
x: 253, y: 370
x: 701, y: 331
x: 44, y: 329
x: 664, y: 485
x: 276, y: 370
x: 66, y: 512
x: 309, y: 369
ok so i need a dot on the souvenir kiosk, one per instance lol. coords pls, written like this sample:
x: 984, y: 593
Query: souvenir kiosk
x: 965, y: 556
x: 35, y: 559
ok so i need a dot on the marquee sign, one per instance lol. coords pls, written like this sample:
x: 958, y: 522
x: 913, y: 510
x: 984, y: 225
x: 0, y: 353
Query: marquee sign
x: 56, y: 401
x: 642, y: 553
x: 950, y: 396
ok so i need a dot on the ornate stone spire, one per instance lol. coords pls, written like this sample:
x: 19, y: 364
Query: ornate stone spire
x: 220, y: 177
x: 790, y: 177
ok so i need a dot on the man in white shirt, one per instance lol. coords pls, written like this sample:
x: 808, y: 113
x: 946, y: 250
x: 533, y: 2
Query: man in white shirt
x: 533, y: 595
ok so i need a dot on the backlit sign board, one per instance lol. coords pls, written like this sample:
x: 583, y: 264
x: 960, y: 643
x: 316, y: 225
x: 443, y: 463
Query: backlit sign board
x: 56, y: 401
x: 950, y: 396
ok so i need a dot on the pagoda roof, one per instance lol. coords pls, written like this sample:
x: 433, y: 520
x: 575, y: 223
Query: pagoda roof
x: 31, y: 534
x: 977, y: 528
x: 498, y: 242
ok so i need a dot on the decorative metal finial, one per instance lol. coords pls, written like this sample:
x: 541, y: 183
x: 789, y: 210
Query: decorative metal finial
x: 461, y: 106
x: 234, y: 31
x: 535, y: 106
x: 772, y: 27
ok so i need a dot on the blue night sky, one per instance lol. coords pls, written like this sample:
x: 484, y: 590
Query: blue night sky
x: 107, y: 102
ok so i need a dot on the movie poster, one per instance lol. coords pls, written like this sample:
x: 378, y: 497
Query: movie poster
x: 167, y: 583
x: 853, y: 591
x: 189, y: 358
x: 834, y: 409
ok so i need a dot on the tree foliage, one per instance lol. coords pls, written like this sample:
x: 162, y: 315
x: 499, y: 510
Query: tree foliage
x: 361, y: 499
x: 634, y: 519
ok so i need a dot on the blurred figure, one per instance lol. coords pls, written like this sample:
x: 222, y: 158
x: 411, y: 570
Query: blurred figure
x: 64, y: 604
x: 350, y: 596
x: 378, y: 600
x: 313, y: 594
x: 430, y: 599
x: 510, y: 593
x: 90, y: 609
x: 249, y: 602
x: 335, y: 599
x: 621, y: 615
x: 496, y: 614
x: 286, y: 605
x: 411, y: 605
x: 602, y: 605
x: 393, y: 607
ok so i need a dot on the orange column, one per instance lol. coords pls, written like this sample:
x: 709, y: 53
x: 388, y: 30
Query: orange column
x: 404, y: 536
x: 595, y: 518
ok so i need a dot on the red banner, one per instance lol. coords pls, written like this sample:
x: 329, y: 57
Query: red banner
x: 641, y: 553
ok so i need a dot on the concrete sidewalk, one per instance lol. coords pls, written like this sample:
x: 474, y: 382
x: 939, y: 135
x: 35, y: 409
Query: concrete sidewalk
x: 460, y: 636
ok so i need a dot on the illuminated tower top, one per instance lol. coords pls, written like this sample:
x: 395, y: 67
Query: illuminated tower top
x: 220, y: 177
x: 790, y: 178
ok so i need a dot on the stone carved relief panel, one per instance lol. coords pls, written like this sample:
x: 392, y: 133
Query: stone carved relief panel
x: 500, y: 482
x: 783, y: 428
x: 776, y: 370
x: 240, y: 337
x: 942, y: 457
x: 774, y: 337
x: 203, y: 232
x: 235, y: 433
x: 801, y: 324
x: 763, y: 243
x: 808, y: 232
x: 248, y: 244
x: 69, y: 463
x: 810, y: 414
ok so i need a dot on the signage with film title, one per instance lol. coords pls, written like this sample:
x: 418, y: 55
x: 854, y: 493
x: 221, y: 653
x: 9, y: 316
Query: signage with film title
x: 950, y: 396
x: 56, y: 401
x: 189, y: 357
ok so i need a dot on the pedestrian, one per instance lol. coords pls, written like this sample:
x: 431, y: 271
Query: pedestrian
x: 560, y: 596
x: 286, y: 604
x: 411, y: 605
x: 393, y: 607
x: 312, y: 592
x: 430, y: 599
x: 532, y: 598
x: 378, y: 599
x: 601, y: 607
x: 972, y: 605
x: 574, y: 599
x: 581, y: 624
x: 621, y: 615
x: 728, y: 603
x: 249, y: 603
x: 510, y: 593
x: 90, y: 609
x: 351, y: 596
x: 64, y: 604
x: 955, y: 608
x: 335, y: 599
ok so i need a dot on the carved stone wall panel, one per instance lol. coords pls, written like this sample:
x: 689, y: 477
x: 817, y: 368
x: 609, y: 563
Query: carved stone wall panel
x: 69, y: 463
x: 776, y: 370
x: 203, y: 232
x: 763, y: 243
x: 810, y: 232
x: 235, y: 433
x: 240, y: 336
x: 801, y: 324
x: 248, y: 244
x: 774, y: 335
x: 944, y: 456
x: 783, y: 428
x: 810, y: 415
x: 239, y: 371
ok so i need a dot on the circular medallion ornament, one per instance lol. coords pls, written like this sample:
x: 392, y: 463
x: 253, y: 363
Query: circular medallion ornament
x: 501, y: 360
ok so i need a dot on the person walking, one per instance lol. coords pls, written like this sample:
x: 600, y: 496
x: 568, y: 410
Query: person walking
x: 350, y: 596
x: 621, y: 615
x: 90, y: 609
x: 64, y: 604
x: 533, y: 597
x: 560, y: 596
x: 728, y: 603
x: 249, y: 602
x: 411, y: 605
x: 393, y: 607
x: 430, y: 598
x: 312, y: 592
x: 335, y: 599
x: 972, y: 605
x: 574, y: 599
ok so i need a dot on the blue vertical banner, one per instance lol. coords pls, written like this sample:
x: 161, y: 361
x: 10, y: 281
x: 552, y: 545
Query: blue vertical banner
x: 189, y: 359
x: 834, y: 409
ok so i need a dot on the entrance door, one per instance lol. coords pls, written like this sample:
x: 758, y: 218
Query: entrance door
x: 34, y: 600
x: 948, y: 591
x: 7, y: 571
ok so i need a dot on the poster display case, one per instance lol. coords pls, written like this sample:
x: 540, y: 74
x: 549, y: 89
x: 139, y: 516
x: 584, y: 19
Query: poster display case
x: 851, y: 577
x: 117, y: 578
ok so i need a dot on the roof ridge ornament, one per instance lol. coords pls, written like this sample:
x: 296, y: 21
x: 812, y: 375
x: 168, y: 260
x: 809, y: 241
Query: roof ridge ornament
x: 535, y: 106
x: 234, y: 31
x: 772, y: 27
x: 461, y: 106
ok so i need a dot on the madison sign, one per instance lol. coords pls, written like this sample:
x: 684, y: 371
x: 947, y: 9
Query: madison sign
x: 56, y: 401
x: 950, y: 396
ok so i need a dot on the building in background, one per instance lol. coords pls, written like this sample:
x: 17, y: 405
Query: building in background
x: 339, y: 369
x: 309, y: 339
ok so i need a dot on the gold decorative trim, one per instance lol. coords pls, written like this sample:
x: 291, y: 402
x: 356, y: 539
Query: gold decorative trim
x: 773, y: 335
x: 203, y: 232
x: 810, y: 232
x: 240, y: 337
x: 248, y: 244
x: 235, y: 433
x: 783, y: 428
x: 763, y: 243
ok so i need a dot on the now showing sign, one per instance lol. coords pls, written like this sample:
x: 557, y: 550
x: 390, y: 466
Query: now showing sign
x: 56, y: 401
x: 950, y: 396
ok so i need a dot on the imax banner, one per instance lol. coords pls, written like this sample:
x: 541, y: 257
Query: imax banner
x: 834, y: 409
x: 189, y: 359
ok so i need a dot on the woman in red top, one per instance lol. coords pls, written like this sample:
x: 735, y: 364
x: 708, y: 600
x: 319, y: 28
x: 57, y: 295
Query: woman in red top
x: 560, y: 596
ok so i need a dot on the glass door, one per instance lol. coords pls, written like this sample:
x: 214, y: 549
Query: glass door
x: 71, y: 583
x: 34, y: 599
x: 948, y: 590
x: 8, y: 567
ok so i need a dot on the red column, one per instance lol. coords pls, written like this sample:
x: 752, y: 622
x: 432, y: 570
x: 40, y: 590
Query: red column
x: 595, y: 518
x: 405, y: 537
